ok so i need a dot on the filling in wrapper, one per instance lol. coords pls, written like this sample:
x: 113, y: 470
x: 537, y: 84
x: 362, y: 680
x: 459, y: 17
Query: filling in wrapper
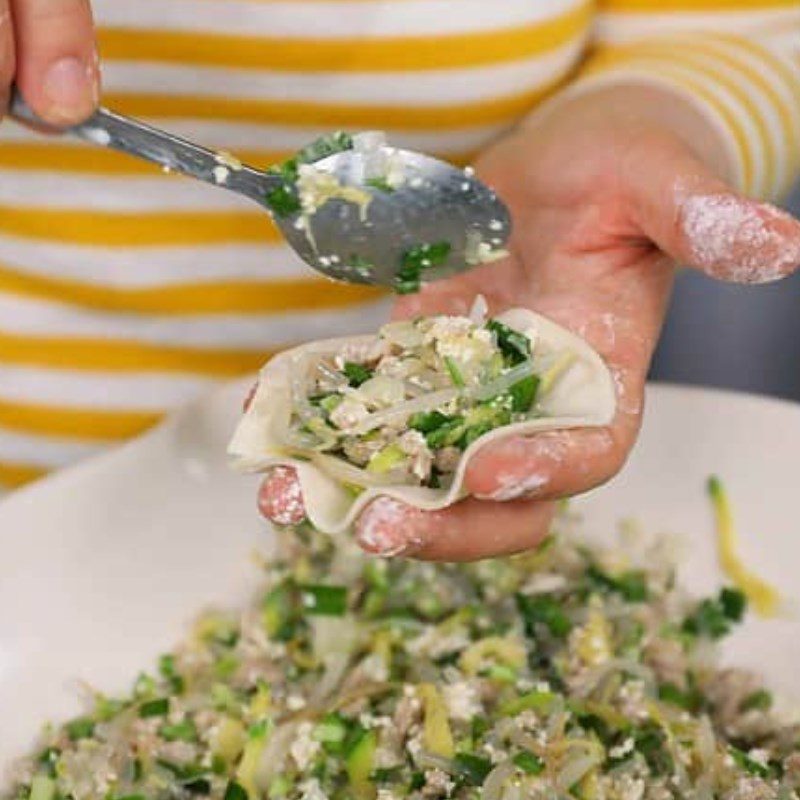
x: 402, y: 412
x: 405, y: 407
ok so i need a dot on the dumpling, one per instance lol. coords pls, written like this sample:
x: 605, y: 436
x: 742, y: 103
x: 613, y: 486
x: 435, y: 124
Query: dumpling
x: 401, y: 413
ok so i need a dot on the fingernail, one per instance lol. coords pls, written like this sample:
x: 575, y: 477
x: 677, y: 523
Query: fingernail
x: 740, y: 240
x: 388, y: 528
x: 280, y: 498
x: 70, y: 86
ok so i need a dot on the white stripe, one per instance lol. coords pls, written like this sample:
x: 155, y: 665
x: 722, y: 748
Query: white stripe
x: 41, y: 451
x: 142, y: 391
x: 630, y: 27
x: 244, y: 136
x: 129, y: 194
x: 137, y: 268
x: 24, y: 316
x: 439, y: 87
x: 329, y: 20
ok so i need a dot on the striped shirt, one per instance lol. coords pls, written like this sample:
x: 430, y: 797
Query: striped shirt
x: 124, y: 292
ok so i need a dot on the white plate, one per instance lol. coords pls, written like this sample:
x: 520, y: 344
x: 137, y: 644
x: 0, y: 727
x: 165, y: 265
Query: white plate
x: 104, y: 565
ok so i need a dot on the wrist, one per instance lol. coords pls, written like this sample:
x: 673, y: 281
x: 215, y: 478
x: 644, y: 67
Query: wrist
x: 641, y: 110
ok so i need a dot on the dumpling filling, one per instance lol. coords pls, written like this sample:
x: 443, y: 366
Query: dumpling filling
x: 403, y: 408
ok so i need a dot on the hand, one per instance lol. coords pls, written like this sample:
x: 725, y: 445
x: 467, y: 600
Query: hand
x: 605, y: 202
x: 47, y: 48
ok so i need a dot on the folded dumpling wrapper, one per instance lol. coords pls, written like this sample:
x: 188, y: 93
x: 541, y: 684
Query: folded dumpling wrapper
x: 583, y: 396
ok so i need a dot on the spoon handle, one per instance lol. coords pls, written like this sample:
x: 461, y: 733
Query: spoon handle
x: 107, y: 129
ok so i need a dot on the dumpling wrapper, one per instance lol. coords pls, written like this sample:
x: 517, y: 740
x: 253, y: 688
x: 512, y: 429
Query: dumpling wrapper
x: 584, y: 396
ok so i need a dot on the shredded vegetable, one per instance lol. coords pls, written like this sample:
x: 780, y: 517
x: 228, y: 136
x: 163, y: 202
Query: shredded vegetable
x: 549, y: 675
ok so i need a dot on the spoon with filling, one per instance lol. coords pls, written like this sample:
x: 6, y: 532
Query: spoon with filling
x: 351, y: 207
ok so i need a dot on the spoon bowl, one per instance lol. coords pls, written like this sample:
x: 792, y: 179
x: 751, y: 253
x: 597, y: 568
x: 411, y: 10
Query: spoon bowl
x: 433, y: 221
x: 436, y: 206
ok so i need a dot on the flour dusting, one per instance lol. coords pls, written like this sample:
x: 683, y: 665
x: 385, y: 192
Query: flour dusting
x: 740, y: 240
x: 384, y: 528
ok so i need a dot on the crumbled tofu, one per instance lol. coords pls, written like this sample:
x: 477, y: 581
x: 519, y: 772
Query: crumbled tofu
x: 348, y: 413
x: 463, y: 702
x: 304, y: 748
x: 413, y: 444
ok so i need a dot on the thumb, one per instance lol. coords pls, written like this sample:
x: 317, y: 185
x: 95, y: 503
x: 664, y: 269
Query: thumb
x: 702, y: 223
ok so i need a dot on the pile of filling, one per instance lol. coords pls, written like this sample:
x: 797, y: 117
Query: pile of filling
x: 401, y: 410
x: 564, y: 673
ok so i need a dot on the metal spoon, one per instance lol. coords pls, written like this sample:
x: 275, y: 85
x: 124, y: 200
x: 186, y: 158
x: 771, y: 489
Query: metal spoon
x: 438, y: 221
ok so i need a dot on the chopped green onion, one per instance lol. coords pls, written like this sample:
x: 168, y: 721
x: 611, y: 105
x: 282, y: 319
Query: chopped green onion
x: 714, y: 617
x: 381, y: 184
x: 415, y: 261
x: 184, y: 731
x: 632, y: 585
x: 750, y: 764
x: 330, y: 601
x: 515, y: 346
x: 472, y: 768
x: 523, y: 394
x: 356, y: 374
x: 757, y: 701
x: 455, y: 372
x: 234, y: 791
x: 545, y: 611
x: 166, y: 666
x: 529, y: 762
x: 42, y: 788
x: 689, y: 700
x: 81, y: 728
x: 154, y: 708
x: 283, y: 201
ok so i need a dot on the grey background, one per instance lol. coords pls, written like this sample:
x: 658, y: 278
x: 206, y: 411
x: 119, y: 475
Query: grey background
x: 745, y: 338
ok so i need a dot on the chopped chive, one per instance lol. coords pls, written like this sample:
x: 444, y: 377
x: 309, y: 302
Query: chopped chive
x: 545, y: 611
x: 283, y: 201
x: 330, y: 601
x: 184, y: 731
x: 757, y: 701
x: 523, y: 394
x: 81, y: 728
x: 154, y: 708
x: 472, y: 768
x: 455, y: 372
x: 356, y: 374
x: 381, y: 184
x: 234, y: 791
x: 529, y: 762
x: 515, y: 346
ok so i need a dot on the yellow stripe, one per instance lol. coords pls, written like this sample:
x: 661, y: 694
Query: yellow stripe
x: 219, y: 297
x: 119, y: 356
x: 501, y: 110
x: 94, y: 424
x: 384, y: 54
x: 664, y: 52
x: 765, y: 54
x: 700, y: 6
x: 13, y: 475
x: 604, y: 62
x: 59, y: 156
x: 53, y: 156
x: 140, y: 228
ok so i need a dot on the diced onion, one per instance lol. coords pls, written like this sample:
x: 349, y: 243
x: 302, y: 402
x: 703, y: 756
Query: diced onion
x: 428, y: 402
x: 504, y: 382
x: 576, y: 768
x: 347, y: 473
x: 496, y: 779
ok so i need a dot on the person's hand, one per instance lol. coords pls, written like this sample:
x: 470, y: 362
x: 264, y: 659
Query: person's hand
x: 605, y: 201
x: 47, y: 48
